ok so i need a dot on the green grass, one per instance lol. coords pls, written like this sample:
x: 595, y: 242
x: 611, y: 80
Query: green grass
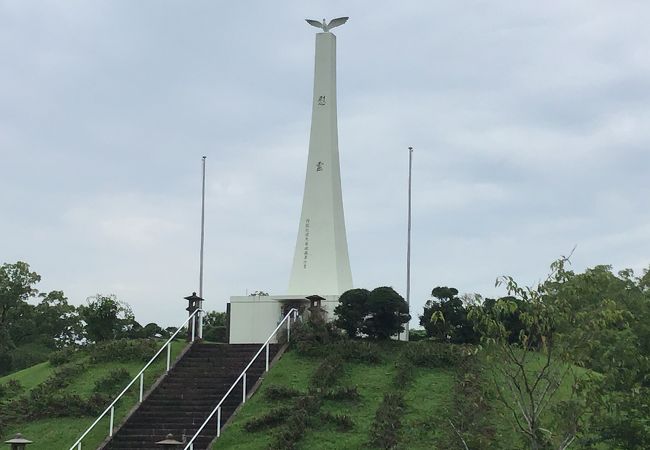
x: 427, y: 402
x: 61, y: 433
x: 30, y: 377
x: 426, y: 399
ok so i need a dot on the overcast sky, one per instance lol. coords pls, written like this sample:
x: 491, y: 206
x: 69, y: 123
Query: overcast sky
x: 529, y: 122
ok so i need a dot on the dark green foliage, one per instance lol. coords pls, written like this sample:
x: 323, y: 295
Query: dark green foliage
x: 124, y: 350
x: 47, y: 400
x: 379, y: 314
x: 311, y: 338
x: 10, y: 389
x: 304, y: 411
x: 432, y: 354
x: 26, y: 355
x: 273, y: 418
x: 341, y: 393
x: 358, y: 351
x: 214, y: 327
x: 106, y: 318
x: 278, y: 392
x: 343, y: 422
x: 471, y: 411
x: 327, y: 373
x: 385, y: 429
x: 445, y: 318
x: 387, y: 312
x: 63, y: 356
x: 417, y: 335
x: 113, y: 383
x: 292, y: 422
x: 351, y: 310
x: 149, y: 331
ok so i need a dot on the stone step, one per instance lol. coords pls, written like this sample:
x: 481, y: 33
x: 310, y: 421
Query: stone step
x: 189, y: 393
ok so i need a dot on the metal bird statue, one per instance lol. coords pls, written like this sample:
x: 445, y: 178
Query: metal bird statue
x: 327, y: 26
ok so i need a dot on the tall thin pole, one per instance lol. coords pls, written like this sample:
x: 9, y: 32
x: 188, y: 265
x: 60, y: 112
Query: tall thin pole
x: 200, y: 314
x: 202, y: 231
x: 408, y: 244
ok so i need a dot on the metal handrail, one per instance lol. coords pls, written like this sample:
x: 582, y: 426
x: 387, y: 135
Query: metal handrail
x: 140, y: 375
x: 217, y: 409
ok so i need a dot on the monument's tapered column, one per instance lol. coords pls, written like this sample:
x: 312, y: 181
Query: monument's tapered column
x: 321, y: 264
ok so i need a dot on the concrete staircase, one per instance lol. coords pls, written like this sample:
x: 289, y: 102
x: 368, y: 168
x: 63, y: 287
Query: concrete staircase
x: 187, y: 395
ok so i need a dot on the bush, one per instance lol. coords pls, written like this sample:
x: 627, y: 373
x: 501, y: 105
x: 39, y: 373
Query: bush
x: 272, y: 418
x: 342, y: 393
x: 29, y: 354
x: 277, y: 392
x: 311, y: 338
x: 327, y: 372
x: 358, y: 351
x: 124, y: 350
x: 63, y: 356
x: 432, y: 354
x: 10, y: 389
x: 380, y: 313
x: 384, y: 432
x: 112, y: 383
x: 342, y: 421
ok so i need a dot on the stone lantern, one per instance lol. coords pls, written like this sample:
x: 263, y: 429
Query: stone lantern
x: 316, y: 312
x: 194, y: 302
x: 18, y: 442
x: 170, y: 442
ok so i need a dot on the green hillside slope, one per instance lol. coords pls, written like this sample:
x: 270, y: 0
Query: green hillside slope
x: 53, y: 406
x: 437, y: 401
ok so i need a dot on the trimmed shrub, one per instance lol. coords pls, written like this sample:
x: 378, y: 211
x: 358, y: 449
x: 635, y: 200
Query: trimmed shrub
x: 358, y: 351
x: 312, y: 338
x: 278, y: 392
x: 10, y: 389
x: 342, y: 393
x: 112, y: 383
x: 342, y: 421
x: 124, y: 350
x: 385, y: 429
x: 274, y: 417
x: 63, y: 356
x: 432, y: 354
x: 327, y: 373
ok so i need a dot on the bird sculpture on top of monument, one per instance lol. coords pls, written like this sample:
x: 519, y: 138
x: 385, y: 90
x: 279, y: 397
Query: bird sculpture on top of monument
x: 327, y: 26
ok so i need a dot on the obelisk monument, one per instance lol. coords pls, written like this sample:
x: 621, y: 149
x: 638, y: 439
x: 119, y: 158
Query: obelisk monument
x: 321, y: 264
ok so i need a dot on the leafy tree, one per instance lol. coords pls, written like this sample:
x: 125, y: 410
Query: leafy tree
x: 445, y: 317
x: 59, y: 324
x: 549, y: 322
x: 386, y: 313
x: 351, y: 311
x: 214, y: 326
x: 106, y: 318
x: 16, y: 287
x: 619, y: 350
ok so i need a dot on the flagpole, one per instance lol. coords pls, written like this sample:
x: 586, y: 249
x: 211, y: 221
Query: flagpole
x: 202, y: 245
x: 408, y: 245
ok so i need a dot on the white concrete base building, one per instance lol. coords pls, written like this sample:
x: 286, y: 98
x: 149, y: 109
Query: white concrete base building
x: 321, y: 265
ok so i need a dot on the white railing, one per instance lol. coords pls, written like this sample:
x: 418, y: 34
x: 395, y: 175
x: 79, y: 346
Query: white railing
x: 140, y: 376
x: 217, y: 409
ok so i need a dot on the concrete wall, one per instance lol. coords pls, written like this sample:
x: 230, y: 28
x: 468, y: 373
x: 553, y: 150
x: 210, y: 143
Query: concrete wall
x: 253, y: 318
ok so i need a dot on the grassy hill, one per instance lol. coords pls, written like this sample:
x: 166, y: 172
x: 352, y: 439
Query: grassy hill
x: 339, y: 396
x: 437, y: 402
x: 45, y: 407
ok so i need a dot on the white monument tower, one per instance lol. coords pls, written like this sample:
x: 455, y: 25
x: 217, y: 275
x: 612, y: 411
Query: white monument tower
x: 321, y: 264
